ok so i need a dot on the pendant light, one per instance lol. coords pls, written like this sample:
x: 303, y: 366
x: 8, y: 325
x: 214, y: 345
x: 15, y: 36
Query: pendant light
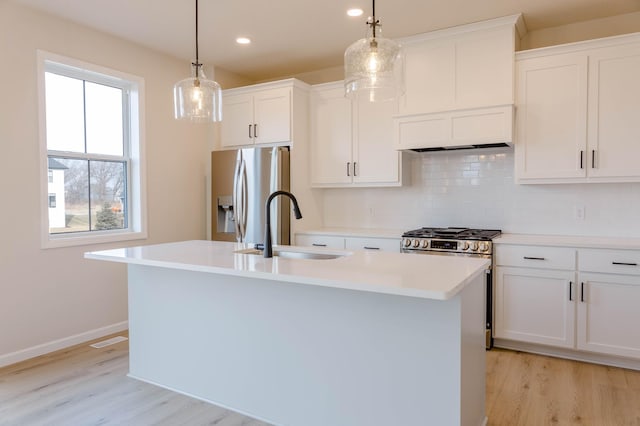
x: 374, y: 66
x: 197, y: 98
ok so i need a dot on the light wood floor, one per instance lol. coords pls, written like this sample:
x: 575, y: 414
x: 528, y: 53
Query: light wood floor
x: 87, y: 386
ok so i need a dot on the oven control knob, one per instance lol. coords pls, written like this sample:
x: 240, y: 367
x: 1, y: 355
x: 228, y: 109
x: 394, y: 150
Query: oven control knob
x: 416, y: 243
x: 484, y: 246
x: 425, y: 244
x: 474, y: 246
x: 465, y: 246
x: 407, y: 242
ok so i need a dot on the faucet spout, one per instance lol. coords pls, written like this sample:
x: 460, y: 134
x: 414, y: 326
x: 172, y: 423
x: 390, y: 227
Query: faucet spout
x: 268, y: 247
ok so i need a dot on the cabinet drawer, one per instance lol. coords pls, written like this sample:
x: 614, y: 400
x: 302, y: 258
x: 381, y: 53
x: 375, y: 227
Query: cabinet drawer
x: 536, y: 257
x: 320, y: 241
x: 381, y: 244
x: 625, y: 262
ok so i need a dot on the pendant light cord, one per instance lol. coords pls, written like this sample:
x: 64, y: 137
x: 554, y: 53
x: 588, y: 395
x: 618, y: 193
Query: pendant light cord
x: 373, y: 22
x: 197, y: 64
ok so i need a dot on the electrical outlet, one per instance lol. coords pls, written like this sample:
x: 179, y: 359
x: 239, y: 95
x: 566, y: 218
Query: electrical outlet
x: 579, y: 212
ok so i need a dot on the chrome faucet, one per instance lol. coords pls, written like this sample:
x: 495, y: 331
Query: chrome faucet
x: 268, y: 247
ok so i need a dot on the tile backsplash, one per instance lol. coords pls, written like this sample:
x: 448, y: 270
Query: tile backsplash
x: 475, y: 188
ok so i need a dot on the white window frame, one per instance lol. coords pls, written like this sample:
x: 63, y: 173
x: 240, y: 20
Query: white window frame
x: 136, y: 171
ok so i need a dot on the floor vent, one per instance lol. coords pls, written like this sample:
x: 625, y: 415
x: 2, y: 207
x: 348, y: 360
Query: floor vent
x: 108, y: 342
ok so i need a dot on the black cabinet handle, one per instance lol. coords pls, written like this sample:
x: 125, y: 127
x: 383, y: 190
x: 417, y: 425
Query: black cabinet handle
x: 255, y: 130
x: 582, y: 292
x: 349, y: 168
x: 371, y: 248
x: 534, y: 258
x: 318, y: 245
x: 250, y: 131
x: 354, y: 169
x: 624, y: 263
x: 581, y: 159
x: 570, y: 290
x: 593, y: 158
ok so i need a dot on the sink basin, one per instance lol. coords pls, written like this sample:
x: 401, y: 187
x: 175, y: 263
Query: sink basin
x: 297, y: 254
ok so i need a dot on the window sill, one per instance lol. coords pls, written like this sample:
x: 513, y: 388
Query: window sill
x: 85, y: 240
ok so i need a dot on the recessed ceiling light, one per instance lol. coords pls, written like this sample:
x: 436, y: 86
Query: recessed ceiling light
x: 243, y: 40
x: 354, y: 12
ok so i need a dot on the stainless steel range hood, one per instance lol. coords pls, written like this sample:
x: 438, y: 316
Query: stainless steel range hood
x: 487, y: 127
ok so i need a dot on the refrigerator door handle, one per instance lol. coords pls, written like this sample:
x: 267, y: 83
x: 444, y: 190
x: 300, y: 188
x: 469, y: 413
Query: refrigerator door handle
x: 275, y: 185
x: 243, y: 201
x: 236, y: 197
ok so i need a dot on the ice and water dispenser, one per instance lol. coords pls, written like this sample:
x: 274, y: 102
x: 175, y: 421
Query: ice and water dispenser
x: 225, y: 222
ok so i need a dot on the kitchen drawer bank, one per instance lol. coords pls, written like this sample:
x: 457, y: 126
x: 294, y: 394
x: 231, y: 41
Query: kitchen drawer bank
x: 573, y: 297
x: 354, y: 340
x: 352, y: 239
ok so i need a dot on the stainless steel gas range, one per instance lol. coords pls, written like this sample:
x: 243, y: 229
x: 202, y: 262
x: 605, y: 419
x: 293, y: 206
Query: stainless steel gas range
x: 457, y: 242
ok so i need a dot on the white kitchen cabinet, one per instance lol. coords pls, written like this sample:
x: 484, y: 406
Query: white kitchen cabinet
x: 311, y: 240
x: 576, y: 118
x: 464, y: 67
x: 348, y: 242
x: 351, y: 142
x: 534, y: 294
x: 542, y: 296
x: 369, y: 243
x: 259, y: 114
x: 608, y: 314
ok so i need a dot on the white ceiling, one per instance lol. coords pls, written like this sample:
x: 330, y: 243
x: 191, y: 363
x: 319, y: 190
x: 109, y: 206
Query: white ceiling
x: 294, y: 36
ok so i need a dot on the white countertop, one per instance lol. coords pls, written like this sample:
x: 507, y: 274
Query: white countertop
x: 569, y: 241
x: 414, y: 275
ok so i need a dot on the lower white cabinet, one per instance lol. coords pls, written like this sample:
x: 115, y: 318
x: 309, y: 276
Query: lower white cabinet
x: 328, y: 241
x: 348, y: 242
x: 535, y: 305
x: 594, y: 306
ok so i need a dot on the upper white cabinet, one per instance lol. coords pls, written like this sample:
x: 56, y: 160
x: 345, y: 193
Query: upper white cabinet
x: 351, y: 142
x: 576, y: 112
x: 459, y: 86
x: 459, y: 68
x: 259, y: 114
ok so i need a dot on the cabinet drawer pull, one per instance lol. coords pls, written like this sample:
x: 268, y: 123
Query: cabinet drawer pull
x: 250, y: 131
x: 624, y: 263
x: 534, y: 258
x: 349, y: 169
x: 582, y: 292
x: 354, y: 169
x: 570, y: 290
x: 593, y: 158
x: 371, y: 248
x: 318, y: 245
x: 255, y: 130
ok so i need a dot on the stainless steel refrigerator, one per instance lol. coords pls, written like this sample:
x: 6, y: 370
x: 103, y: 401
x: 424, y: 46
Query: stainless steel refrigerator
x: 241, y: 181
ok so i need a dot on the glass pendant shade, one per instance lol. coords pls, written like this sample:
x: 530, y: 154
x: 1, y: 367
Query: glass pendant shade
x: 197, y: 98
x: 374, y: 68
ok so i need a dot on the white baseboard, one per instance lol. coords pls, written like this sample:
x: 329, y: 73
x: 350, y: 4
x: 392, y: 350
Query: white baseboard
x: 45, y: 348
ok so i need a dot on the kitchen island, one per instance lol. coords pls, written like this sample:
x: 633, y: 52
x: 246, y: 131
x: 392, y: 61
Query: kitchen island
x: 361, y: 339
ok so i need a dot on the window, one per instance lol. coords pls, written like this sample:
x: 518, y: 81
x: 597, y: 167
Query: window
x: 92, y: 147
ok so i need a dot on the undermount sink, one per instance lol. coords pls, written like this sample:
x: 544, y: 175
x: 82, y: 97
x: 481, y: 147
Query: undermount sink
x: 297, y: 254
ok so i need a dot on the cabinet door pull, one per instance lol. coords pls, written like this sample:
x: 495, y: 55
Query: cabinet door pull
x: 371, y: 248
x: 593, y: 158
x: 534, y: 258
x: 255, y: 130
x: 624, y: 263
x: 581, y: 159
x: 250, y: 131
x: 318, y: 245
x: 349, y: 168
x: 570, y: 290
x: 582, y: 291
x: 354, y: 169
